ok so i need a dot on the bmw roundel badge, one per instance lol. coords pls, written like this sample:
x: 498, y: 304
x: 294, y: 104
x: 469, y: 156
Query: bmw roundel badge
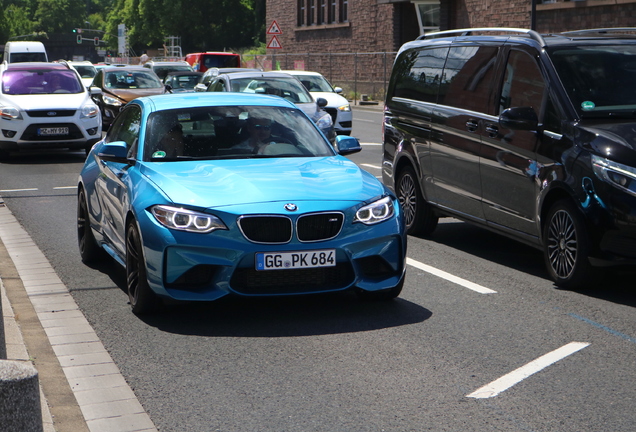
x: 291, y: 207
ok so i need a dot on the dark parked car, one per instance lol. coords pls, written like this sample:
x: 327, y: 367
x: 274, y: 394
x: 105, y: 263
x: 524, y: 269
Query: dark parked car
x: 179, y: 82
x: 528, y: 135
x: 277, y: 84
x: 120, y: 85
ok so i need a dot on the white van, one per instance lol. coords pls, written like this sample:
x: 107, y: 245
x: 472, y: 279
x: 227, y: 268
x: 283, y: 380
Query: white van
x: 24, y: 51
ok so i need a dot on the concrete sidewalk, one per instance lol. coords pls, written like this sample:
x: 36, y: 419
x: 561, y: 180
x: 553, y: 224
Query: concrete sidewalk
x: 82, y: 389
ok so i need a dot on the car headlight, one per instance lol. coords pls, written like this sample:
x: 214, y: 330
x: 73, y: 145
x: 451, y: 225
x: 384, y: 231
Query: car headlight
x: 616, y: 174
x: 111, y: 101
x: 345, y: 108
x: 186, y: 220
x: 89, y: 110
x: 324, y: 122
x: 10, y: 113
x: 376, y: 212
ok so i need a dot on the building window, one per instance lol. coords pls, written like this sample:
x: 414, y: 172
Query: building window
x: 302, y: 10
x: 311, y: 12
x: 332, y: 12
x: 322, y: 11
x: 427, y: 15
x: 344, y: 10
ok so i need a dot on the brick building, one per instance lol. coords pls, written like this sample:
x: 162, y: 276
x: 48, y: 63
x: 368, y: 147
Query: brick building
x: 354, y: 41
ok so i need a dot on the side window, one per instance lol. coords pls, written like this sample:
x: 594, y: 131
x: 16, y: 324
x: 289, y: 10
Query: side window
x: 551, y: 117
x: 126, y: 128
x: 98, y: 78
x: 523, y: 84
x: 468, y: 76
x: 417, y: 74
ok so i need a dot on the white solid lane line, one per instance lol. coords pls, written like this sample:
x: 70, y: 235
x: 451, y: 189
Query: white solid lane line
x: 449, y: 277
x: 518, y: 375
x: 371, y: 166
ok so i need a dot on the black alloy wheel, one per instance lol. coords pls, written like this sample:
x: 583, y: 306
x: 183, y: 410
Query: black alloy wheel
x: 419, y: 216
x: 567, y: 246
x: 142, y: 298
x: 88, y: 248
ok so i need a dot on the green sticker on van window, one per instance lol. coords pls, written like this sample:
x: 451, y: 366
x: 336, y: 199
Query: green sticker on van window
x: 588, y: 105
x: 159, y: 154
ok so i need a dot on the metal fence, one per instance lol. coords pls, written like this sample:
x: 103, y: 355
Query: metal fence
x: 362, y: 76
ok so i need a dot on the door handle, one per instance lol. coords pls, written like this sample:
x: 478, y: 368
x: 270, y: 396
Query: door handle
x: 471, y: 125
x: 492, y: 130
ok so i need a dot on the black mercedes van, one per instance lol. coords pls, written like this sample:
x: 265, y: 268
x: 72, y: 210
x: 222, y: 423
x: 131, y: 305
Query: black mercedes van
x: 532, y: 136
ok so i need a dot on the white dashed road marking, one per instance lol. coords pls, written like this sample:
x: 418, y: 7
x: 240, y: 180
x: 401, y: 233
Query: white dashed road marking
x: 449, y: 277
x: 518, y: 375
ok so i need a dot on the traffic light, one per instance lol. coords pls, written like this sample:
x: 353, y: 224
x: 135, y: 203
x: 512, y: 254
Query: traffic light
x: 79, y: 39
x: 96, y: 41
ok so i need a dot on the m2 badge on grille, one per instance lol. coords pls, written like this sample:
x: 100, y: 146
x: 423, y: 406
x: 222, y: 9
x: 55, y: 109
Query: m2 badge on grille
x: 295, y: 260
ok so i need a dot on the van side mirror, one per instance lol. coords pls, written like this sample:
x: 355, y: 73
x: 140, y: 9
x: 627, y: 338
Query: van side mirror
x: 519, y: 118
x: 322, y: 102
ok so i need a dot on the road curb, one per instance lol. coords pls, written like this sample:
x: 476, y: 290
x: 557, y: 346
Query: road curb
x: 82, y: 385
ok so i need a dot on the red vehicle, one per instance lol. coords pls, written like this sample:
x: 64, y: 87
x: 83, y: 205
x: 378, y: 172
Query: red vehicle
x: 203, y: 61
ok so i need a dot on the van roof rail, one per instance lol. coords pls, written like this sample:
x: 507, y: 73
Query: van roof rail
x: 468, y: 31
x: 599, y: 30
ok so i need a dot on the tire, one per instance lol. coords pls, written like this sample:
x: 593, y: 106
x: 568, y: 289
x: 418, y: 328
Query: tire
x: 567, y: 246
x: 419, y: 215
x: 382, y: 295
x: 88, y: 248
x: 142, y: 299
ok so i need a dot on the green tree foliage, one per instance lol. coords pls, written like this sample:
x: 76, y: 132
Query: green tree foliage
x: 201, y: 24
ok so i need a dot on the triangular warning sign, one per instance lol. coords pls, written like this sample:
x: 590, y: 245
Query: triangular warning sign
x: 274, y: 29
x: 274, y: 43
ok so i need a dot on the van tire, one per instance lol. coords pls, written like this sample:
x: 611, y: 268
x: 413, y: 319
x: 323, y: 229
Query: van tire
x: 567, y: 246
x: 419, y: 216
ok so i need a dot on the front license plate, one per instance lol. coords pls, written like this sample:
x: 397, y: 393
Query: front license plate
x: 53, y: 131
x: 295, y: 260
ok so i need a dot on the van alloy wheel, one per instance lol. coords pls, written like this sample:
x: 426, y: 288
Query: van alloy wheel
x: 567, y: 247
x: 419, y: 216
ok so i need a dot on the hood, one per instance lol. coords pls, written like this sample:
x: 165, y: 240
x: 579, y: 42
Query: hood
x: 209, y: 184
x: 334, y: 100
x: 615, y: 140
x: 129, y: 94
x: 47, y: 101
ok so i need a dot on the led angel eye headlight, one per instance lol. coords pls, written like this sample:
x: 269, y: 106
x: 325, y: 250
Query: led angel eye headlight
x: 186, y: 220
x: 376, y: 212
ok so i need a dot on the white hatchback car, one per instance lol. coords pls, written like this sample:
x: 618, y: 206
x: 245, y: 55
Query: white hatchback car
x: 45, y: 106
x: 337, y: 105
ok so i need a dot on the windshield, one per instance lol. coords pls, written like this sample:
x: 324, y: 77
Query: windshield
x: 40, y: 81
x: 288, y: 88
x: 162, y: 71
x: 123, y: 79
x: 598, y: 79
x: 183, y: 82
x: 86, y: 71
x: 232, y: 132
x: 221, y: 60
x: 315, y: 83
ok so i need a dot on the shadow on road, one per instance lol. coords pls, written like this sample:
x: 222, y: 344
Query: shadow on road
x: 614, y: 284
x: 311, y: 315
x: 48, y: 157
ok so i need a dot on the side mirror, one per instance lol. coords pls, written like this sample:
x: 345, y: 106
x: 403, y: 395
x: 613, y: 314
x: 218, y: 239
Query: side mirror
x: 168, y: 88
x: 116, y: 151
x: 519, y: 118
x: 338, y: 90
x: 347, y: 144
x: 95, y: 91
x: 322, y: 102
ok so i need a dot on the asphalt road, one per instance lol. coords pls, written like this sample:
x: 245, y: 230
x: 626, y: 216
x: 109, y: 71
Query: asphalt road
x: 479, y: 340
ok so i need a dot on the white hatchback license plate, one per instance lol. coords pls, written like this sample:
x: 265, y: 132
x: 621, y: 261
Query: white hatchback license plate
x: 295, y: 260
x: 53, y: 131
